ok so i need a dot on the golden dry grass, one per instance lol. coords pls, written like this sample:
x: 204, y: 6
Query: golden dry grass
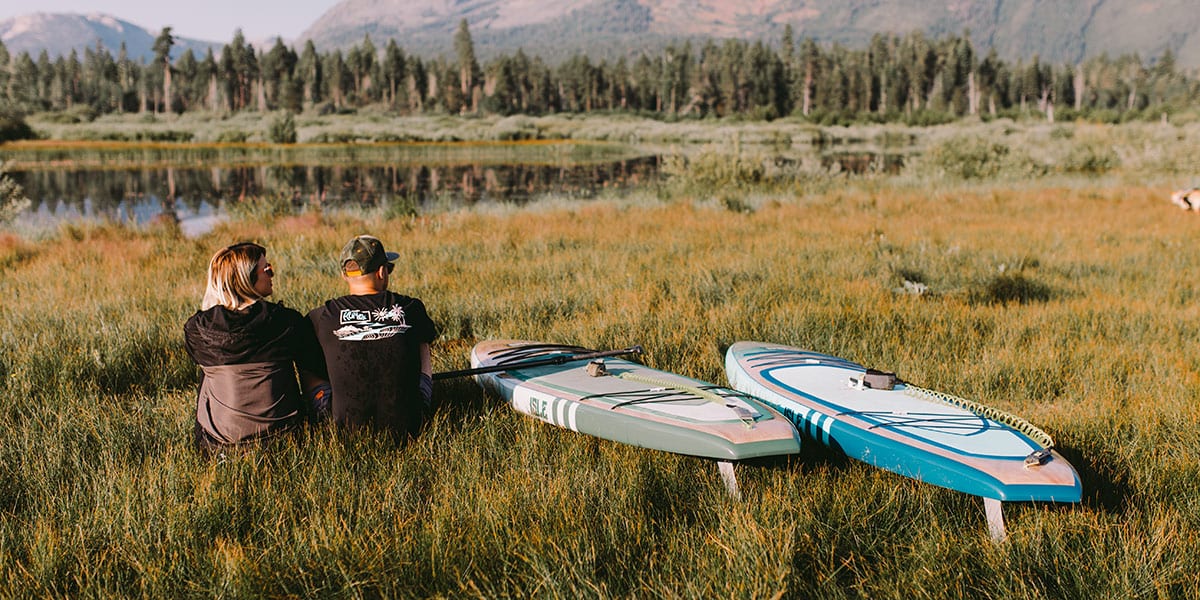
x: 1073, y: 305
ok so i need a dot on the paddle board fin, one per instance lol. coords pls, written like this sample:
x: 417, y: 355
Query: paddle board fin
x: 995, y: 519
x: 730, y: 479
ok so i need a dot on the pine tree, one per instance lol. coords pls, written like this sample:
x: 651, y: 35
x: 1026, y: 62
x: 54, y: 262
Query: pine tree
x: 810, y: 60
x: 468, y: 67
x: 336, y: 75
x: 162, y: 58
x: 308, y: 71
x: 879, y: 62
x: 187, y: 70
x: 208, y: 75
x: 360, y: 60
x: 44, y: 70
x: 708, y: 76
x: 58, y: 87
x: 395, y: 72
x: 523, y: 73
x: 417, y: 83
x: 239, y: 69
x: 730, y: 76
x: 988, y: 81
x: 128, y: 76
x: 5, y: 77
x: 1132, y: 75
x: 278, y: 67
x: 74, y: 78
x: 501, y: 90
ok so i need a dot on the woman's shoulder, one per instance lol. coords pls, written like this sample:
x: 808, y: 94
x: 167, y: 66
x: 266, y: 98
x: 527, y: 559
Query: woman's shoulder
x: 277, y: 310
x: 215, y: 317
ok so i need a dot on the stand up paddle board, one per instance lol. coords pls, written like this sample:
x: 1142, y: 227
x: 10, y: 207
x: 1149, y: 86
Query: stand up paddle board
x: 923, y: 434
x: 627, y: 402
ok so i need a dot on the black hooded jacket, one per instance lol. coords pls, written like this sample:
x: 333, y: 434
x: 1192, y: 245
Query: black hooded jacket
x: 249, y: 359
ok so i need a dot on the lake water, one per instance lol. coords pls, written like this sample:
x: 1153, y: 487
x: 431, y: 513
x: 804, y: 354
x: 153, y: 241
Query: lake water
x: 197, y: 197
x: 197, y: 185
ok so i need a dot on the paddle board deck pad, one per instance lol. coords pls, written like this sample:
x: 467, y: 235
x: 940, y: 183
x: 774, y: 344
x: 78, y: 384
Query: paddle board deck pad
x: 627, y: 402
x: 905, y: 429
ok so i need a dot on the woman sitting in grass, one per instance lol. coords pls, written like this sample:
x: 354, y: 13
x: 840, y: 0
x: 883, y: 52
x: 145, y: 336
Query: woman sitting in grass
x: 249, y: 350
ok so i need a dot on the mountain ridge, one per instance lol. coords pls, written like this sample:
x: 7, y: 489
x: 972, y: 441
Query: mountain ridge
x: 60, y: 33
x: 1063, y: 32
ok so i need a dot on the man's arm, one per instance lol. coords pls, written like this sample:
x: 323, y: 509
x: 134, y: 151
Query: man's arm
x: 318, y: 393
x: 426, y: 376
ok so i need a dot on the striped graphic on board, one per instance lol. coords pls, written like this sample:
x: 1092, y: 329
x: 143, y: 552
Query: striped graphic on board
x: 545, y: 407
x: 815, y: 424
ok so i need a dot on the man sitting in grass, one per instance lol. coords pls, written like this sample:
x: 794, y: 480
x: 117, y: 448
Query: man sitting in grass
x: 376, y: 345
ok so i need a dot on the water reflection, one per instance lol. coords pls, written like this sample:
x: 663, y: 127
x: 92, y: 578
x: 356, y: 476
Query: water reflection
x: 863, y: 162
x: 199, y: 195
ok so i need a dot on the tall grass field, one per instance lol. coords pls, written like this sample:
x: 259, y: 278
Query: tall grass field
x: 1072, y: 300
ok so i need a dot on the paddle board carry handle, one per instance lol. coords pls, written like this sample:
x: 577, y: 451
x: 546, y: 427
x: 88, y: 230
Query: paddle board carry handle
x: 542, y: 362
x: 1037, y: 458
x: 874, y: 379
x: 596, y: 368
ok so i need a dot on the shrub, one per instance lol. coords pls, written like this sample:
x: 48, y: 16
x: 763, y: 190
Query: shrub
x: 13, y: 125
x: 283, y: 129
x: 80, y: 113
x: 1007, y: 288
x: 337, y: 137
x: 895, y: 139
x: 927, y: 118
x: 736, y: 203
x: 1090, y: 159
x: 711, y: 169
x: 164, y: 136
x: 1104, y: 115
x: 968, y: 157
x: 232, y: 137
x: 12, y: 198
x: 1062, y: 133
x: 394, y: 137
x: 972, y: 158
x: 515, y: 128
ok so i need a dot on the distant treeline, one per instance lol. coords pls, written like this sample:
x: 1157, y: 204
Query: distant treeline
x: 909, y: 78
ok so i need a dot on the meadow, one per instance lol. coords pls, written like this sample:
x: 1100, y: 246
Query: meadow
x: 1061, y: 286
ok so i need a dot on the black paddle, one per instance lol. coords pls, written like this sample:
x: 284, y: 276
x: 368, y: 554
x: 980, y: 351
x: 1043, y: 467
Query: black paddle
x: 554, y: 360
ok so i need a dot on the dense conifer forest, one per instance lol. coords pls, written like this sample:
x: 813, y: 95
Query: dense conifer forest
x: 908, y: 78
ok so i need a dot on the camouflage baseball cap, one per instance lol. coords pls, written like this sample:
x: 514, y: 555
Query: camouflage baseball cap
x: 364, y: 254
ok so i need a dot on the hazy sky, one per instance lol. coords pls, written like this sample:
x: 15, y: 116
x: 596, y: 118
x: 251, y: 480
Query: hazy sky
x: 212, y: 20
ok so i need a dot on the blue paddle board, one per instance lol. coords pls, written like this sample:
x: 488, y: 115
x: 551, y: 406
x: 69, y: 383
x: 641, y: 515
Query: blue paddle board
x: 917, y: 433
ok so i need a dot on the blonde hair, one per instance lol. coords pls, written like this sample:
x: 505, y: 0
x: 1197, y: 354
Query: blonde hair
x: 231, y: 277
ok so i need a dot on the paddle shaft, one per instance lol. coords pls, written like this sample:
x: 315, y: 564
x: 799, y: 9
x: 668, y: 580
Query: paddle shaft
x: 555, y: 360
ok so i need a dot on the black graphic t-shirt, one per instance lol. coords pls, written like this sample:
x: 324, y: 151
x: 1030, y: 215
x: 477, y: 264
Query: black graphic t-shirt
x: 372, y: 350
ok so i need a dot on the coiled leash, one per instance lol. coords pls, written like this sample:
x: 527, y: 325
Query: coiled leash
x: 882, y: 380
